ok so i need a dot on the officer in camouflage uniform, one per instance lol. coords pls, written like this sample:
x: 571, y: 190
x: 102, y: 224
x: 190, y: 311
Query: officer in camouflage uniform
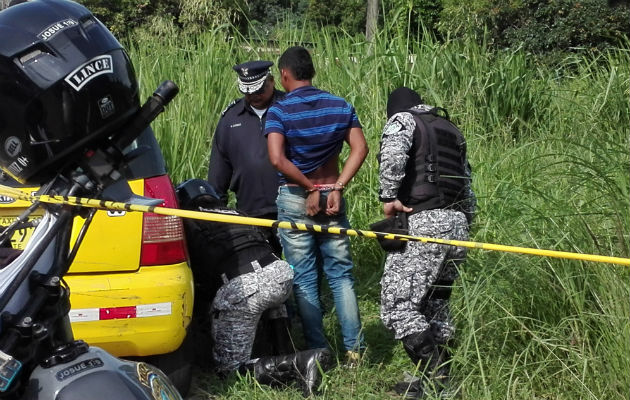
x: 423, y: 171
x: 239, y: 264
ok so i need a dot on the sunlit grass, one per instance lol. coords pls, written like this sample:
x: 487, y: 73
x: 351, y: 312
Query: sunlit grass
x: 550, y: 155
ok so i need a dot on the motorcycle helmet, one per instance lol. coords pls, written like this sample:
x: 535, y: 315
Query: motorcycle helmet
x: 65, y: 82
x: 194, y: 191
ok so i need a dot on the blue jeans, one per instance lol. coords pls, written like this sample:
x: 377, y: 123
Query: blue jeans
x: 302, y: 250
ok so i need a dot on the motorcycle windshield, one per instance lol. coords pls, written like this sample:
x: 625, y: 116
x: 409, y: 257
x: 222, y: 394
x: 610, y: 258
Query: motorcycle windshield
x: 14, y: 300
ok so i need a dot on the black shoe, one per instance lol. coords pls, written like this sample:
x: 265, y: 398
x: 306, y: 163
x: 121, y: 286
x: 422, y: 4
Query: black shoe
x: 303, y: 367
x: 411, y: 387
x: 280, y: 329
x: 433, y: 358
x: 421, y: 347
x: 272, y: 371
x: 308, y: 364
x: 411, y: 390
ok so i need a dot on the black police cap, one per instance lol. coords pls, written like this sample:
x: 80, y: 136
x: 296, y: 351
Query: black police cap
x: 252, y: 75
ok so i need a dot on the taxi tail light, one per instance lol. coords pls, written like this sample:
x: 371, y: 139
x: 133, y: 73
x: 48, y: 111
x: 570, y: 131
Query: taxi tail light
x: 162, y: 235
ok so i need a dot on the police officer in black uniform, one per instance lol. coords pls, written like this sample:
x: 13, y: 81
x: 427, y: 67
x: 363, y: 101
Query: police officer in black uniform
x: 239, y: 160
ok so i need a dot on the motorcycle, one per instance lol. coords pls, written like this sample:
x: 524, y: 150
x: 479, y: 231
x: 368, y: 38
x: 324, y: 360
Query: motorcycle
x: 39, y: 357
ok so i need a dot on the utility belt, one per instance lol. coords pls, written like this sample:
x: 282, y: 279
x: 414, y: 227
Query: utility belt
x: 246, y: 268
x: 432, y: 204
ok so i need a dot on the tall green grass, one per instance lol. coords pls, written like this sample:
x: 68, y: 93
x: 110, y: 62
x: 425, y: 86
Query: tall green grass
x: 550, y: 156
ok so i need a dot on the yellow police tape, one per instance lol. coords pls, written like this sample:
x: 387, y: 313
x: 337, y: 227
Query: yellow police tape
x: 236, y: 219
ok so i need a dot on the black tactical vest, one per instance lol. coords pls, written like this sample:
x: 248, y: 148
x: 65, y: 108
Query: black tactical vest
x: 435, y: 172
x: 216, y: 247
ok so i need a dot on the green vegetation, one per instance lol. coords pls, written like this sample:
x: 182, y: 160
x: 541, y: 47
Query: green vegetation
x: 539, y: 26
x: 549, y: 150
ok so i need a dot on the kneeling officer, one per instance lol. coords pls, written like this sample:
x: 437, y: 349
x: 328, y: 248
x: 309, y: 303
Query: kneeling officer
x: 250, y: 279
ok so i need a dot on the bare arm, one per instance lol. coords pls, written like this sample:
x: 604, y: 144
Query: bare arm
x: 358, y: 151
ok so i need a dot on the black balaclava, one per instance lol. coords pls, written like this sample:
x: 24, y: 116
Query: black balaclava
x: 402, y: 99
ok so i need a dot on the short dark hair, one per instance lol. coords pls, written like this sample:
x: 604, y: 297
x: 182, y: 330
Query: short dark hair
x: 297, y: 60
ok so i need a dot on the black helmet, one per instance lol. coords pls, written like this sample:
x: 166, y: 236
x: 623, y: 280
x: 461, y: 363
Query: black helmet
x: 65, y: 81
x: 195, y: 192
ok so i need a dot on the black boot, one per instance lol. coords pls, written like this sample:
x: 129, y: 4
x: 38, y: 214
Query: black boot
x: 308, y: 363
x: 281, y: 338
x: 302, y: 367
x: 411, y: 387
x: 421, y: 347
x: 434, y: 369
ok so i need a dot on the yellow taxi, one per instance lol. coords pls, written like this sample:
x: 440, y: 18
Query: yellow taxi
x: 130, y: 283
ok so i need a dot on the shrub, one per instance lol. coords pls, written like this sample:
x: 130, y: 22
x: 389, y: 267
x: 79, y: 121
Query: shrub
x: 123, y: 16
x: 120, y: 16
x: 546, y: 25
x: 539, y: 26
x: 415, y: 15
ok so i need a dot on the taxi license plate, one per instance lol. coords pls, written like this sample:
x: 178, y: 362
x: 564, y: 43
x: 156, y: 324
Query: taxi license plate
x: 20, y: 236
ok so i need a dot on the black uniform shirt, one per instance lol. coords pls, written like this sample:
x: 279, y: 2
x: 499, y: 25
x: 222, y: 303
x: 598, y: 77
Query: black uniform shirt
x: 239, y: 160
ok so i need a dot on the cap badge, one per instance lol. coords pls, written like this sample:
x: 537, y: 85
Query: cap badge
x: 245, y: 71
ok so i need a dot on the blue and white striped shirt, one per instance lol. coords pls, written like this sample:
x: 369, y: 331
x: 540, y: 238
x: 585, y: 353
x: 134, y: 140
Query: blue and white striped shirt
x: 314, y: 124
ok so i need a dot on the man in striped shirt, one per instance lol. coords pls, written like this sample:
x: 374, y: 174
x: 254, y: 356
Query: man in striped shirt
x: 305, y: 133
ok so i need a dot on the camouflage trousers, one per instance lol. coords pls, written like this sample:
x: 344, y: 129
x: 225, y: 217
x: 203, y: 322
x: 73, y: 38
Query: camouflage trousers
x: 237, y: 308
x: 409, y: 301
